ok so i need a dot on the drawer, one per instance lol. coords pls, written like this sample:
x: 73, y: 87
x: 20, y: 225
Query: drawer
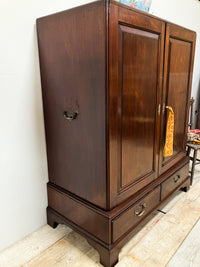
x: 134, y: 214
x: 173, y: 182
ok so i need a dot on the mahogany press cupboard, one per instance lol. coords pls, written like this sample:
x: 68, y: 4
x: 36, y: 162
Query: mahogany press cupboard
x: 108, y: 72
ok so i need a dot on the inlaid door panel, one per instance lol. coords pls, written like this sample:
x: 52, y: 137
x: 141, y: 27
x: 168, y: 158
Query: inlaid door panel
x: 176, y: 91
x: 136, y: 46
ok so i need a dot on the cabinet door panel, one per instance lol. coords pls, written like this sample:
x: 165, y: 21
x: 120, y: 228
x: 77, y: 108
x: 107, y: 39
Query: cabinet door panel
x: 135, y: 83
x: 176, y: 92
x: 137, y: 114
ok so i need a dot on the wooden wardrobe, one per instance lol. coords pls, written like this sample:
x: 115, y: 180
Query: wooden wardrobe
x: 108, y: 72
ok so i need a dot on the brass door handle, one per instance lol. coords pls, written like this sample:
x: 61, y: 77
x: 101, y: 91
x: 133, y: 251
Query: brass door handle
x: 70, y: 115
x: 141, y: 212
x: 177, y: 178
x: 163, y: 107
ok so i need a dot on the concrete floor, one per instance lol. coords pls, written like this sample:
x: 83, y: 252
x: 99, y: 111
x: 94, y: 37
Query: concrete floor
x: 170, y: 239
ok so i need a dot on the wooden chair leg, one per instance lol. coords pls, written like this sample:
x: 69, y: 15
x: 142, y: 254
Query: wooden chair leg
x: 188, y: 151
x: 193, y: 165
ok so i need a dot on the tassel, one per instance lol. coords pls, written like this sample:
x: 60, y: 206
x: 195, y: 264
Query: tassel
x: 168, y: 148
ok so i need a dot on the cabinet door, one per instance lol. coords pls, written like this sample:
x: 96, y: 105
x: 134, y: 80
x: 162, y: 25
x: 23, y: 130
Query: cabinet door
x: 135, y: 80
x: 179, y: 54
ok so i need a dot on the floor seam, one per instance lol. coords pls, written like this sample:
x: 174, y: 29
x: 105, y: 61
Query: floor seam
x: 44, y: 250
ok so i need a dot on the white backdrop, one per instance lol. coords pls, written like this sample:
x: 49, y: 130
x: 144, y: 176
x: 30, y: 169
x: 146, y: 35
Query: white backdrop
x: 23, y: 165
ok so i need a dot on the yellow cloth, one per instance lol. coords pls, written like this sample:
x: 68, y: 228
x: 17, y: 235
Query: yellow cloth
x: 196, y: 142
x: 168, y: 148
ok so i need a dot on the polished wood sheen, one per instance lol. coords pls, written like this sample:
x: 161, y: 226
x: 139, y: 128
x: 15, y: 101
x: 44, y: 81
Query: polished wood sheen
x: 72, y: 59
x: 138, y: 121
x: 179, y: 55
x: 107, y: 73
x: 76, y: 211
x: 174, y: 181
x: 137, y: 44
x: 135, y: 213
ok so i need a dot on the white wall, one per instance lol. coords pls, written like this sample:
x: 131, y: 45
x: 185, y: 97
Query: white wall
x: 185, y: 13
x: 23, y: 167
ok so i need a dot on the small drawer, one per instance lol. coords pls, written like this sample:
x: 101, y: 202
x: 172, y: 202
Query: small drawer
x: 133, y: 215
x: 173, y: 182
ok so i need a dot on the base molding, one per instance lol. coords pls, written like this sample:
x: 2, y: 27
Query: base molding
x: 108, y: 251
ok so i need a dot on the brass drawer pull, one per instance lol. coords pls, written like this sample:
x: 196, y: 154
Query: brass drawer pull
x: 140, y: 213
x: 176, y: 178
x: 70, y: 115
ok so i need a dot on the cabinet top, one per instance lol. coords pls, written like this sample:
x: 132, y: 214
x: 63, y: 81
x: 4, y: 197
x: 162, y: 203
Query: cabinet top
x: 115, y: 2
x: 120, y: 5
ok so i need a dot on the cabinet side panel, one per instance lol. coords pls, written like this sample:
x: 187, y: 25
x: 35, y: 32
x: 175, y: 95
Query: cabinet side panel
x: 72, y: 61
x: 79, y: 214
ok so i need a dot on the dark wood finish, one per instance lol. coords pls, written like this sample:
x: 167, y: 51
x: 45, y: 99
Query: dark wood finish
x: 82, y: 215
x: 135, y: 214
x: 138, y: 122
x: 174, y: 181
x: 135, y: 73
x: 108, y: 253
x: 179, y: 57
x: 108, y: 256
x: 102, y: 82
x: 72, y: 61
